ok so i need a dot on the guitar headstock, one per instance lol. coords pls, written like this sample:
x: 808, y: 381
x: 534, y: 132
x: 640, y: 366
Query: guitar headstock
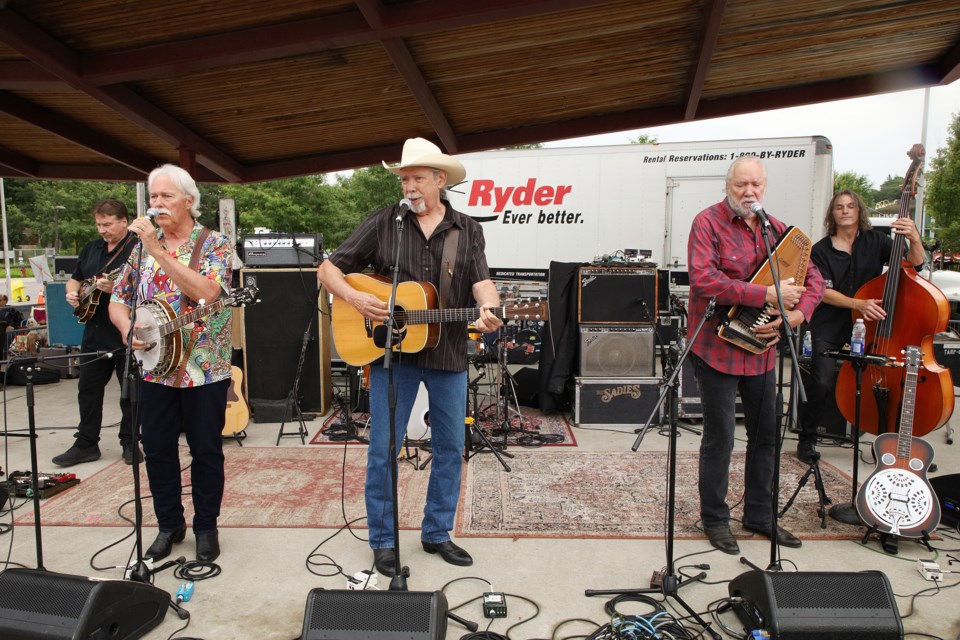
x: 532, y: 310
x: 243, y: 297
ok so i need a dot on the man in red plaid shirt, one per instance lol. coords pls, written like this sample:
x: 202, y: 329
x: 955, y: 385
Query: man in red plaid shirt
x: 725, y: 249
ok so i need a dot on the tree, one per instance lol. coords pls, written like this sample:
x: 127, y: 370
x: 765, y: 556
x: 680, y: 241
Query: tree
x: 644, y: 138
x: 358, y: 194
x: 942, y: 198
x: 890, y: 189
x: 854, y: 182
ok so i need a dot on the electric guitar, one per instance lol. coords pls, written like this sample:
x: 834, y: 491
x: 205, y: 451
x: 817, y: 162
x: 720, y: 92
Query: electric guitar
x: 897, y: 497
x: 88, y: 296
x: 238, y: 414
x: 159, y: 325
x: 360, y: 341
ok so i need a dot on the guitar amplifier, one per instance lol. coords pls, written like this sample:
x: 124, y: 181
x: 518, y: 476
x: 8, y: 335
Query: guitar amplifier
x: 283, y: 250
x: 616, y: 352
x: 617, y: 295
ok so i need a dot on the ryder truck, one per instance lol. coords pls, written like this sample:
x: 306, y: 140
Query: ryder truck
x: 575, y: 204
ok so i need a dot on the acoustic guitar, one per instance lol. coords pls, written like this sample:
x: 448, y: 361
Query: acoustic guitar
x: 897, y: 497
x: 360, y: 341
x: 238, y: 413
x: 88, y: 296
x: 160, y: 326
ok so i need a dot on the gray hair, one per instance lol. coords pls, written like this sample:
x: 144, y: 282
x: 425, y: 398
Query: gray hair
x: 743, y: 160
x: 182, y: 179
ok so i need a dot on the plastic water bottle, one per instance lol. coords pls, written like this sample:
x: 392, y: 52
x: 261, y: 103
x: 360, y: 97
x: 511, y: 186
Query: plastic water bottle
x: 858, y: 338
x: 807, y: 344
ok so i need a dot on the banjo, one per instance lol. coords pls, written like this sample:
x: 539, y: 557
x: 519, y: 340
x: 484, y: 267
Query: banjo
x: 160, y: 327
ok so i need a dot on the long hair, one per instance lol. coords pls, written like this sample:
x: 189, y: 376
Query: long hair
x: 830, y: 223
x: 183, y: 180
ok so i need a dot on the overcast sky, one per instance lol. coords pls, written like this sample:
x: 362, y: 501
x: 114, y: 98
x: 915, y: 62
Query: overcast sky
x: 870, y: 136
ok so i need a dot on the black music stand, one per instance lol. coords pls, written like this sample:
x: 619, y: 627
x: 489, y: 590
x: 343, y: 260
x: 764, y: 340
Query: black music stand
x: 670, y: 582
x: 847, y: 511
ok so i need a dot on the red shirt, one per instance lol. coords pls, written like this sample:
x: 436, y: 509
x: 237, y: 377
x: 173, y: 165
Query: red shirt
x: 723, y: 252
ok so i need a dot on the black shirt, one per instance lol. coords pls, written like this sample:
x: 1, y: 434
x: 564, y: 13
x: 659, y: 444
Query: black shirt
x: 374, y: 244
x: 846, y: 273
x: 94, y: 259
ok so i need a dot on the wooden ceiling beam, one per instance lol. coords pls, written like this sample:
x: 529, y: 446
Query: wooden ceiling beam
x: 54, y: 57
x: 74, y: 132
x: 375, y: 14
x: 307, y: 36
x: 950, y: 65
x: 706, y: 45
x: 18, y: 164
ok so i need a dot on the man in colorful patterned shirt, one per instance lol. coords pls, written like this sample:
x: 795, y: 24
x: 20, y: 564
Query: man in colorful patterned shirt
x: 725, y: 249
x: 192, y: 397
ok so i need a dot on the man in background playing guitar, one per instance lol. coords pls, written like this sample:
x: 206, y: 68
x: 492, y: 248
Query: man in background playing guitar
x: 424, y: 172
x: 849, y: 256
x: 725, y: 248
x: 96, y: 259
x: 184, y: 265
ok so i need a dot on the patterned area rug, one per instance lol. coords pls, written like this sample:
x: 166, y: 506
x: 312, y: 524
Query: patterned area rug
x: 622, y: 495
x: 266, y: 487
x: 531, y: 429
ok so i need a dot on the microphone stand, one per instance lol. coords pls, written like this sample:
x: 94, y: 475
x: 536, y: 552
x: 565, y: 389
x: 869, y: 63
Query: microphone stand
x: 130, y: 389
x: 399, y: 581
x: 795, y: 384
x: 670, y: 583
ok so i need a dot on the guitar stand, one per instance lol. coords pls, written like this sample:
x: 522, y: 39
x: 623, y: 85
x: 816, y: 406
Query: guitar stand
x: 890, y: 542
x: 293, y: 396
x: 473, y: 429
x: 822, y: 498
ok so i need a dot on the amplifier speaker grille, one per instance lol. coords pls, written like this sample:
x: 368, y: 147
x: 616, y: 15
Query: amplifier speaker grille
x: 616, y: 352
x: 617, y: 295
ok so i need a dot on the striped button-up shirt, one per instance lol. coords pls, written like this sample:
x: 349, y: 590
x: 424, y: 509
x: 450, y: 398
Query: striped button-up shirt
x: 374, y: 244
x: 723, y: 252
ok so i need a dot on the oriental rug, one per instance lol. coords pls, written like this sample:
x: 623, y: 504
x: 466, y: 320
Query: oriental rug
x: 623, y: 495
x: 265, y: 487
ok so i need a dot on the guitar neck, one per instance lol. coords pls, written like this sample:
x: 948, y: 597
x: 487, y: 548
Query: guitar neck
x: 433, y: 316
x: 181, y: 321
x: 905, y: 437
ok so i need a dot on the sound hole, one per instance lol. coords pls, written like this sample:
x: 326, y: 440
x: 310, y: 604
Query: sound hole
x: 888, y: 458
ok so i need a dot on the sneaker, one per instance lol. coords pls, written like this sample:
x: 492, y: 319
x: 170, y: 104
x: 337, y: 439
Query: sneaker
x: 807, y: 452
x: 128, y: 454
x: 76, y: 455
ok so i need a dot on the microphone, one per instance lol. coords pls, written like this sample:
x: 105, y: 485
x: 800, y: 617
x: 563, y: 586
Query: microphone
x: 405, y: 205
x: 152, y: 213
x: 757, y: 208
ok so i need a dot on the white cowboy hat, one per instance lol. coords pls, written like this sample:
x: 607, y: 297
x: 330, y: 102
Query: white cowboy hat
x: 418, y: 152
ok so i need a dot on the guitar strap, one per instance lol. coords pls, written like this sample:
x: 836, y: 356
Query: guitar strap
x: 186, y: 301
x: 450, y: 242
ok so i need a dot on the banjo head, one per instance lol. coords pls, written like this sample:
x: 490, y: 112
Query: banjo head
x: 158, y: 359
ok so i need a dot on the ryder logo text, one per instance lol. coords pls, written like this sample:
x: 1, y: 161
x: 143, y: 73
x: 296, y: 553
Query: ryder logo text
x: 486, y: 193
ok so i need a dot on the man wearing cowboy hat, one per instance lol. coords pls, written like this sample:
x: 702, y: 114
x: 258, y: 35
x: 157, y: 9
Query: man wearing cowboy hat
x: 425, y: 255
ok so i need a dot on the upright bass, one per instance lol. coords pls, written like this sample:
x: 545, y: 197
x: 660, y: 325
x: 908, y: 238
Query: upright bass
x: 916, y: 310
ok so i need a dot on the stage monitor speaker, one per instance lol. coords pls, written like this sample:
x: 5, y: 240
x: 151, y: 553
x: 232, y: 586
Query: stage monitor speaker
x: 817, y: 605
x: 273, y: 336
x: 37, y: 605
x: 374, y: 615
x: 616, y: 352
x: 617, y: 295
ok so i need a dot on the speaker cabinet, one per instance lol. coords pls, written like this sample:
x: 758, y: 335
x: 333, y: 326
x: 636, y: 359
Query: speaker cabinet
x: 616, y: 352
x: 818, y: 605
x: 44, y: 605
x: 614, y: 402
x: 62, y: 326
x: 374, y: 615
x: 273, y: 337
x: 617, y: 295
x: 947, y: 489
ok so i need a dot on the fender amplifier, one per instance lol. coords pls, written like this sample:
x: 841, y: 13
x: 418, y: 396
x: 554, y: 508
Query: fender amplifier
x: 617, y: 295
x: 616, y: 352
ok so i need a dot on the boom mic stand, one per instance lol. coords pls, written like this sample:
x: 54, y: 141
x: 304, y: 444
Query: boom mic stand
x: 794, y: 384
x: 671, y: 583
x: 473, y: 428
x: 293, y: 398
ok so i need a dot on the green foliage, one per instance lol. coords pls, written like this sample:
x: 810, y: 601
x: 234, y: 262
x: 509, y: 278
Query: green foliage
x: 942, y: 199
x: 856, y: 183
x: 644, y: 138
x: 357, y: 194
x: 890, y: 189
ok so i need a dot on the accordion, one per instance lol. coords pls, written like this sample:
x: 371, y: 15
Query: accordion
x: 738, y: 324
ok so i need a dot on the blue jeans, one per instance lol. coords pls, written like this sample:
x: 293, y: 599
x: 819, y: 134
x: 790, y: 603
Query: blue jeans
x: 448, y: 407
x: 718, y: 395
